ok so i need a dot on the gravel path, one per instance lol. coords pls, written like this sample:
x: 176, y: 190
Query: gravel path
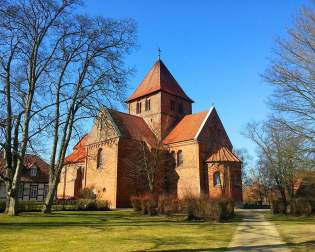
x: 256, y: 234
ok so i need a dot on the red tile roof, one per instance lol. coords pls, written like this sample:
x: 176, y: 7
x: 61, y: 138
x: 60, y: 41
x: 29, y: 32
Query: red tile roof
x: 223, y: 155
x: 79, y: 152
x: 133, y: 127
x: 29, y: 161
x: 159, y: 78
x: 187, y: 128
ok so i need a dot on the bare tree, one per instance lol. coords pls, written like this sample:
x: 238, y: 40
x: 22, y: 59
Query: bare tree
x: 90, y: 74
x: 291, y: 73
x: 27, y: 45
x: 280, y: 153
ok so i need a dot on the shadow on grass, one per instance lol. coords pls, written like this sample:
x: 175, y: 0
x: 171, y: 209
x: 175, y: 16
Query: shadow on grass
x: 98, y: 220
x: 306, y: 246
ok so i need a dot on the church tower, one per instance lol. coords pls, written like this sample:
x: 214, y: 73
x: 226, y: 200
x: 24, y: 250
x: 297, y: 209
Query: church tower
x: 159, y: 100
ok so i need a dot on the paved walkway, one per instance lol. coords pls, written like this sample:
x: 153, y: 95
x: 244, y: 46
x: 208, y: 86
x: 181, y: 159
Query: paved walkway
x: 256, y: 234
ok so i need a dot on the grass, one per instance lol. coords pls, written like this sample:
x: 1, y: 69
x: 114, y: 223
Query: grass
x: 297, y: 232
x: 119, y: 230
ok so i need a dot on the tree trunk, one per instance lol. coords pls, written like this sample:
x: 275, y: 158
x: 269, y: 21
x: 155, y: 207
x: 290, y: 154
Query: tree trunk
x: 7, y: 201
x: 12, y: 209
x: 52, y: 187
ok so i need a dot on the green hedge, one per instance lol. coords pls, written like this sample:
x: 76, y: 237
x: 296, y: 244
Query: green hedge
x: 74, y: 205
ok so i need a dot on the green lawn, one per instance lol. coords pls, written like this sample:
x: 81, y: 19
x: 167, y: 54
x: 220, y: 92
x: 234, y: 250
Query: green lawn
x: 298, y: 232
x: 119, y: 230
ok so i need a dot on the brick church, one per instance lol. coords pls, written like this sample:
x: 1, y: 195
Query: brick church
x: 197, y: 154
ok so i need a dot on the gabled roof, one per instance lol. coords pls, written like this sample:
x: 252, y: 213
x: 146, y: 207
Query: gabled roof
x: 79, y: 151
x: 30, y: 161
x: 133, y: 127
x: 187, y: 128
x: 223, y: 154
x: 159, y: 78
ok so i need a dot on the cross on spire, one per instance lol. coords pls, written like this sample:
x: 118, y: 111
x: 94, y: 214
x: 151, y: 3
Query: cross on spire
x: 159, y: 53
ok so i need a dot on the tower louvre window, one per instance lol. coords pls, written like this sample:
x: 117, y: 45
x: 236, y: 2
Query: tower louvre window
x: 147, y: 104
x: 172, y: 105
x: 138, y: 109
x: 181, y: 108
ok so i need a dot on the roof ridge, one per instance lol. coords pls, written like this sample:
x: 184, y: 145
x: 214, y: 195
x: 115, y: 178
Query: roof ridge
x: 126, y: 113
x: 203, y: 123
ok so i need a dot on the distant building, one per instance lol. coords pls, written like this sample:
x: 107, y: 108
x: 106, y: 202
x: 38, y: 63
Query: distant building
x: 34, y: 179
x: 159, y: 115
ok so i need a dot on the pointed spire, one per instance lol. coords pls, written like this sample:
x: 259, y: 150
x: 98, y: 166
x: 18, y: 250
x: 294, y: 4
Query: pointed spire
x: 158, y: 78
x: 159, y: 53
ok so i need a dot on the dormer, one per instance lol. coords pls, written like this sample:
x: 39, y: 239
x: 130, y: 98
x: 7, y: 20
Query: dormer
x: 34, y: 171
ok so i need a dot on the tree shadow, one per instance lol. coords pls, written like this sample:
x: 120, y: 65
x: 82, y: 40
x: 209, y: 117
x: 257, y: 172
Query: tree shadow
x: 302, y: 245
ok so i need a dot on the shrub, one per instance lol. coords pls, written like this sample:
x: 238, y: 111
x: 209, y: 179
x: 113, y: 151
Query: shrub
x: 102, y: 205
x: 278, y: 207
x: 208, y: 209
x: 151, y: 206
x: 87, y: 193
x: 300, y: 206
x: 86, y: 205
x: 29, y: 206
x: 146, y: 204
x: 168, y: 205
x: 136, y: 203
x: 2, y: 206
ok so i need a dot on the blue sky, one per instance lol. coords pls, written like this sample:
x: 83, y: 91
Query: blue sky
x: 216, y: 50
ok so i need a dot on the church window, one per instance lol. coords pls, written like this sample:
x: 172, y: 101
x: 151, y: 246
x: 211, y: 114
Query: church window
x: 138, y: 109
x: 172, y: 106
x: 180, y: 158
x: 147, y: 105
x: 216, y: 179
x: 173, y: 154
x: 180, y: 108
x: 100, y: 158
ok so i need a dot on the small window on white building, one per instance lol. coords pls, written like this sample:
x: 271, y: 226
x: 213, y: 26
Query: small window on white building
x: 33, y: 191
x: 34, y: 171
x: 21, y: 190
x: 45, y: 190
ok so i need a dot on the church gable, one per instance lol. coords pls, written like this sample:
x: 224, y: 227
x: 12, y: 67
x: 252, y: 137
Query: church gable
x: 213, y: 133
x: 104, y: 128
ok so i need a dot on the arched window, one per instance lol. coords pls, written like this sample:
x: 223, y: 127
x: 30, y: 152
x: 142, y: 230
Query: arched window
x: 147, y: 104
x: 173, y: 154
x: 100, y: 158
x: 138, y: 108
x: 180, y: 158
x: 216, y: 179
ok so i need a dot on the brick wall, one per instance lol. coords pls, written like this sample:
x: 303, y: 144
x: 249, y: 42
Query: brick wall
x: 161, y: 118
x: 70, y: 179
x: 188, y: 177
x: 231, y: 185
x: 103, y: 179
